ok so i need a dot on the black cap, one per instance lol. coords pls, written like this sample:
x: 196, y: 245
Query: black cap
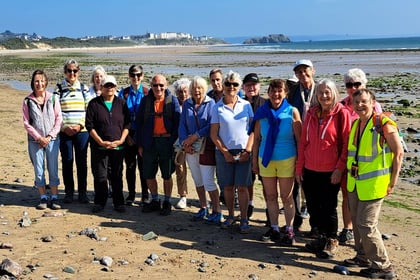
x: 251, y: 77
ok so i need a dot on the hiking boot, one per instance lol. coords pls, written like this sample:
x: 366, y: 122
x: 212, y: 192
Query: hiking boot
x: 316, y: 245
x: 375, y: 273
x: 153, y: 206
x: 166, y: 208
x: 346, y: 237
x: 130, y: 200
x: 200, y: 215
x: 288, y: 239
x: 250, y: 211
x: 83, y: 198
x: 182, y: 203
x: 214, y: 218
x: 119, y: 208
x: 271, y: 234
x: 329, y: 250
x: 356, y: 262
x: 68, y: 198
x: 42, y: 204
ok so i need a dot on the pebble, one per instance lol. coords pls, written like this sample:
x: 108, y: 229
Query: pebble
x: 341, y: 269
x: 107, y: 261
x: 18, y: 180
x: 201, y: 269
x: 11, y: 267
x: 149, y: 236
x: 253, y: 277
x: 47, y: 238
x: 262, y: 265
x: 123, y: 262
x: 90, y: 232
x: 25, y: 221
x: 386, y: 236
x: 53, y: 214
x: 69, y: 269
x: 149, y: 261
x: 49, y: 276
x: 5, y: 245
x: 153, y: 256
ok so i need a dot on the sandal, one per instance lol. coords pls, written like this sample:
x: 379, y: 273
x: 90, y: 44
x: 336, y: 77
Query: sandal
x: 244, y: 227
x: 229, y: 222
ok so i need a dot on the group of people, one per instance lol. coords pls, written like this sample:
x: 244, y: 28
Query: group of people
x: 302, y: 138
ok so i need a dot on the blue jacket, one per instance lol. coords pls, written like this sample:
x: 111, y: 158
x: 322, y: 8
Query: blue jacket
x: 146, y: 118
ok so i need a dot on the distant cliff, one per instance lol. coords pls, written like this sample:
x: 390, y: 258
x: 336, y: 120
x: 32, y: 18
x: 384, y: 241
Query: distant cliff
x: 270, y: 39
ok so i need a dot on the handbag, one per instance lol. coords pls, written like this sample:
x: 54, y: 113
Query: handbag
x: 208, y: 157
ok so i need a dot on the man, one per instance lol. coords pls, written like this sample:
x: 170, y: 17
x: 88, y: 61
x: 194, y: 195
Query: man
x: 216, y: 81
x: 108, y: 123
x: 157, y: 123
x: 300, y: 96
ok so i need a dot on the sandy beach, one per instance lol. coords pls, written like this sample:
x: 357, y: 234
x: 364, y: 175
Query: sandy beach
x: 52, y: 244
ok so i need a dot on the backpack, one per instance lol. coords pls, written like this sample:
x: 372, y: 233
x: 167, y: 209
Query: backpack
x: 61, y: 92
x: 126, y: 92
x: 378, y: 127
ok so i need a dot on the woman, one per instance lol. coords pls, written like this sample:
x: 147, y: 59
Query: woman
x: 354, y: 80
x: 182, y: 92
x: 195, y: 124
x: 42, y: 120
x: 230, y: 122
x: 133, y: 95
x: 374, y: 162
x: 108, y: 121
x: 322, y: 153
x: 277, y: 129
x: 97, y: 75
x: 74, y: 97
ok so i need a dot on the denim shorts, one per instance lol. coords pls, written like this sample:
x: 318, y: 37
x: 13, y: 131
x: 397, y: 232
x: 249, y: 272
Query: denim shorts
x: 232, y: 174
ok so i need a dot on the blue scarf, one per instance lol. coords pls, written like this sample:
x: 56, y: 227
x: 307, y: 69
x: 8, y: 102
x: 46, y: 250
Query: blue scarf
x: 272, y: 115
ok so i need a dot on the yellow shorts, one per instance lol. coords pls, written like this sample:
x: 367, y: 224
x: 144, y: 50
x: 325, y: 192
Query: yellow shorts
x: 278, y: 168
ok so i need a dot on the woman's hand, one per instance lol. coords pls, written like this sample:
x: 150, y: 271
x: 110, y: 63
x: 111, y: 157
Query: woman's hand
x: 336, y: 177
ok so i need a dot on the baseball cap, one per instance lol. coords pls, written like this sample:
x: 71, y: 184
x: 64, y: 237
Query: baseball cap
x: 109, y: 80
x: 251, y: 77
x: 300, y: 62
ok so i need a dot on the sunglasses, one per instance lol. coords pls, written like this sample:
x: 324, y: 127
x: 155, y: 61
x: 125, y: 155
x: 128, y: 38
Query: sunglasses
x: 132, y: 75
x: 158, y: 85
x: 74, y: 71
x: 108, y: 85
x: 228, y: 84
x: 351, y: 85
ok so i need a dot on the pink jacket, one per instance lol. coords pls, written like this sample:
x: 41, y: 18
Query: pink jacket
x: 323, y: 145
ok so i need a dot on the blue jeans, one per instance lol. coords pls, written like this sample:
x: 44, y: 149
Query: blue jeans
x: 79, y: 143
x: 38, y: 157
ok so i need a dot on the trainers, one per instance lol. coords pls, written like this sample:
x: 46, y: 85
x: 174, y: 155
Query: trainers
x: 182, y: 203
x: 346, y: 236
x: 130, y: 200
x: 166, y: 208
x: 54, y: 204
x: 119, y: 208
x: 329, y: 250
x: 304, y: 212
x: 250, y: 211
x: 288, y: 238
x: 375, y: 273
x: 271, y: 234
x: 42, y: 204
x: 97, y: 208
x: 153, y: 206
x: 244, y: 226
x: 68, y: 198
x: 83, y: 198
x: 200, y: 215
x: 214, y: 218
x: 316, y: 245
x: 356, y: 262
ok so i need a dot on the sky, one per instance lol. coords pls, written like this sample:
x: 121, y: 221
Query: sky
x: 215, y: 18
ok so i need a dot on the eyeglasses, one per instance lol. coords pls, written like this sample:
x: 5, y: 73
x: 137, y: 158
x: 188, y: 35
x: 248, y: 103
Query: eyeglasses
x: 108, y: 85
x: 228, y: 84
x: 158, y: 85
x: 351, y: 85
x: 74, y: 71
x: 132, y: 75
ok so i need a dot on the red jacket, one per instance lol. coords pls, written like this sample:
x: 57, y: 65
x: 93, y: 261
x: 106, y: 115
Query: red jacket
x: 323, y: 144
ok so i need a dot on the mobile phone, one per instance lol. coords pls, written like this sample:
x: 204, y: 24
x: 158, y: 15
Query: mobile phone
x: 354, y: 170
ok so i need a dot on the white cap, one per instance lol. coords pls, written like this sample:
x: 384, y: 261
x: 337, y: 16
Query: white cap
x: 300, y: 62
x: 109, y: 80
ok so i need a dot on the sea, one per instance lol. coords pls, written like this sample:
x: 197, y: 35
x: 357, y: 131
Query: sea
x: 380, y: 44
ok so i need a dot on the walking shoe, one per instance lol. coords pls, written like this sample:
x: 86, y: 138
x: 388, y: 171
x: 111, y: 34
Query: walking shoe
x: 346, y: 236
x: 244, y: 226
x: 119, y: 208
x: 375, y: 273
x: 214, y: 218
x: 316, y: 245
x: 271, y: 234
x: 182, y: 203
x: 97, y: 208
x: 304, y: 212
x: 288, y: 239
x: 250, y: 211
x: 83, y: 198
x: 68, y: 198
x: 229, y: 222
x: 54, y: 204
x: 153, y: 206
x: 166, y: 208
x: 200, y: 215
x: 130, y: 200
x: 329, y: 250
x: 42, y: 204
x: 356, y: 262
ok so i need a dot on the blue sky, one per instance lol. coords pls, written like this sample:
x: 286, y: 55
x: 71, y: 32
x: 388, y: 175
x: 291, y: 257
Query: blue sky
x: 217, y: 18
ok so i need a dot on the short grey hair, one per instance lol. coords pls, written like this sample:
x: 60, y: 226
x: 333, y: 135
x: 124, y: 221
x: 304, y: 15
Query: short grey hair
x: 69, y: 62
x: 233, y: 76
x: 199, y: 82
x: 97, y: 69
x: 355, y: 75
x: 334, y: 90
x: 178, y: 84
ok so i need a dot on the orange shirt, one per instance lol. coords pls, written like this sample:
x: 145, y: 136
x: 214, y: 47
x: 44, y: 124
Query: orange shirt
x: 159, y: 126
